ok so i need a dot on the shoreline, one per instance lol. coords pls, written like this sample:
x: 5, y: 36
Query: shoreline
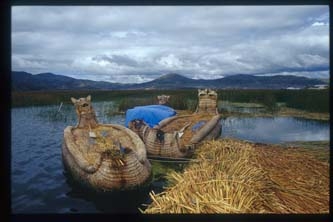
x: 283, y: 112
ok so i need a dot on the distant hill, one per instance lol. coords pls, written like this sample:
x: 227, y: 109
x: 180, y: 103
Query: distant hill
x: 267, y: 82
x: 241, y: 81
x: 173, y: 81
x: 23, y: 81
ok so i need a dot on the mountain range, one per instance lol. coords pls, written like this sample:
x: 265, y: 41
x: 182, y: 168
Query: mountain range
x: 23, y: 81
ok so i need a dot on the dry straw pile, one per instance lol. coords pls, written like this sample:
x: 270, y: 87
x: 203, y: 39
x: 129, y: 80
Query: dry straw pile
x: 230, y: 176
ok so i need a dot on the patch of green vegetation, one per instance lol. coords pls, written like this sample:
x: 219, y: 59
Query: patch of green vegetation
x: 161, y: 169
x: 176, y: 101
x: 275, y: 102
x: 179, y: 99
x: 241, y: 105
x: 313, y: 144
x: 285, y: 111
x: 310, y: 100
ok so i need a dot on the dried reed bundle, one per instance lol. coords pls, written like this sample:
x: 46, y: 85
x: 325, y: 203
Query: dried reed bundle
x: 106, y: 144
x: 301, y: 180
x: 180, y: 121
x: 231, y: 176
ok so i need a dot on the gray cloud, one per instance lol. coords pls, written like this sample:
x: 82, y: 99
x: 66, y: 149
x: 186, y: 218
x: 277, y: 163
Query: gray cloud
x: 120, y: 60
x: 140, y: 43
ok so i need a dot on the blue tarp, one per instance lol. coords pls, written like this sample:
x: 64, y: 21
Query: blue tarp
x: 151, y: 114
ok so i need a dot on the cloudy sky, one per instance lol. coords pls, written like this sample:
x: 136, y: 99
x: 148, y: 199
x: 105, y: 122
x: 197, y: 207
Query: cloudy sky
x: 141, y: 43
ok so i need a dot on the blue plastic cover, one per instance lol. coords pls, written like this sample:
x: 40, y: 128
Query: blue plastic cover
x: 151, y: 114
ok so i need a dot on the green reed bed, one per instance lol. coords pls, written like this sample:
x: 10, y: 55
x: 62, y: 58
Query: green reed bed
x: 309, y: 100
x: 124, y: 98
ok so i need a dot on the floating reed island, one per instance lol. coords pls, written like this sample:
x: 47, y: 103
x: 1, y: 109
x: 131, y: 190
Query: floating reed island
x: 232, y: 176
x: 103, y: 157
x: 178, y: 136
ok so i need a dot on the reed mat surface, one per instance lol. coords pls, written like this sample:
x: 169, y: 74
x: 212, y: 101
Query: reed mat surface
x: 232, y: 176
x: 191, y: 121
x: 106, y: 143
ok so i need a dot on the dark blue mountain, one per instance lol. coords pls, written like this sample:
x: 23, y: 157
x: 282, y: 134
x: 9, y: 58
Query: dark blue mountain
x: 173, y: 81
x: 22, y: 81
x: 267, y: 82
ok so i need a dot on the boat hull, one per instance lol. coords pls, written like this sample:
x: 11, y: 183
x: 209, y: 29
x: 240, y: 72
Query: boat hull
x: 102, y: 167
x: 179, y: 139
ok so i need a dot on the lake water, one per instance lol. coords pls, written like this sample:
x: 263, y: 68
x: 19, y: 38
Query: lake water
x: 275, y: 129
x: 38, y: 182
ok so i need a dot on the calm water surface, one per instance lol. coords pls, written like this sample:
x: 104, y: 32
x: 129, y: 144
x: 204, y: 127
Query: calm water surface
x: 39, y: 184
x: 275, y: 129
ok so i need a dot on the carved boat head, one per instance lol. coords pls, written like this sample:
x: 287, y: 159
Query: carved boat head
x: 163, y: 99
x: 82, y: 105
x: 207, y: 101
x: 85, y: 111
x: 207, y: 93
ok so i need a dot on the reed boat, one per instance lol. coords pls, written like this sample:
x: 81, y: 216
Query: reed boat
x: 103, y: 157
x: 179, y: 135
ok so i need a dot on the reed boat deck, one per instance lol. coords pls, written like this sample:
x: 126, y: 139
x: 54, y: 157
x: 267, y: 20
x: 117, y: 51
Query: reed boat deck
x: 193, y: 124
x: 107, y: 140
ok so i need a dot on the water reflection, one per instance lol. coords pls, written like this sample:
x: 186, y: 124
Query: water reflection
x: 275, y: 129
x: 112, y: 202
